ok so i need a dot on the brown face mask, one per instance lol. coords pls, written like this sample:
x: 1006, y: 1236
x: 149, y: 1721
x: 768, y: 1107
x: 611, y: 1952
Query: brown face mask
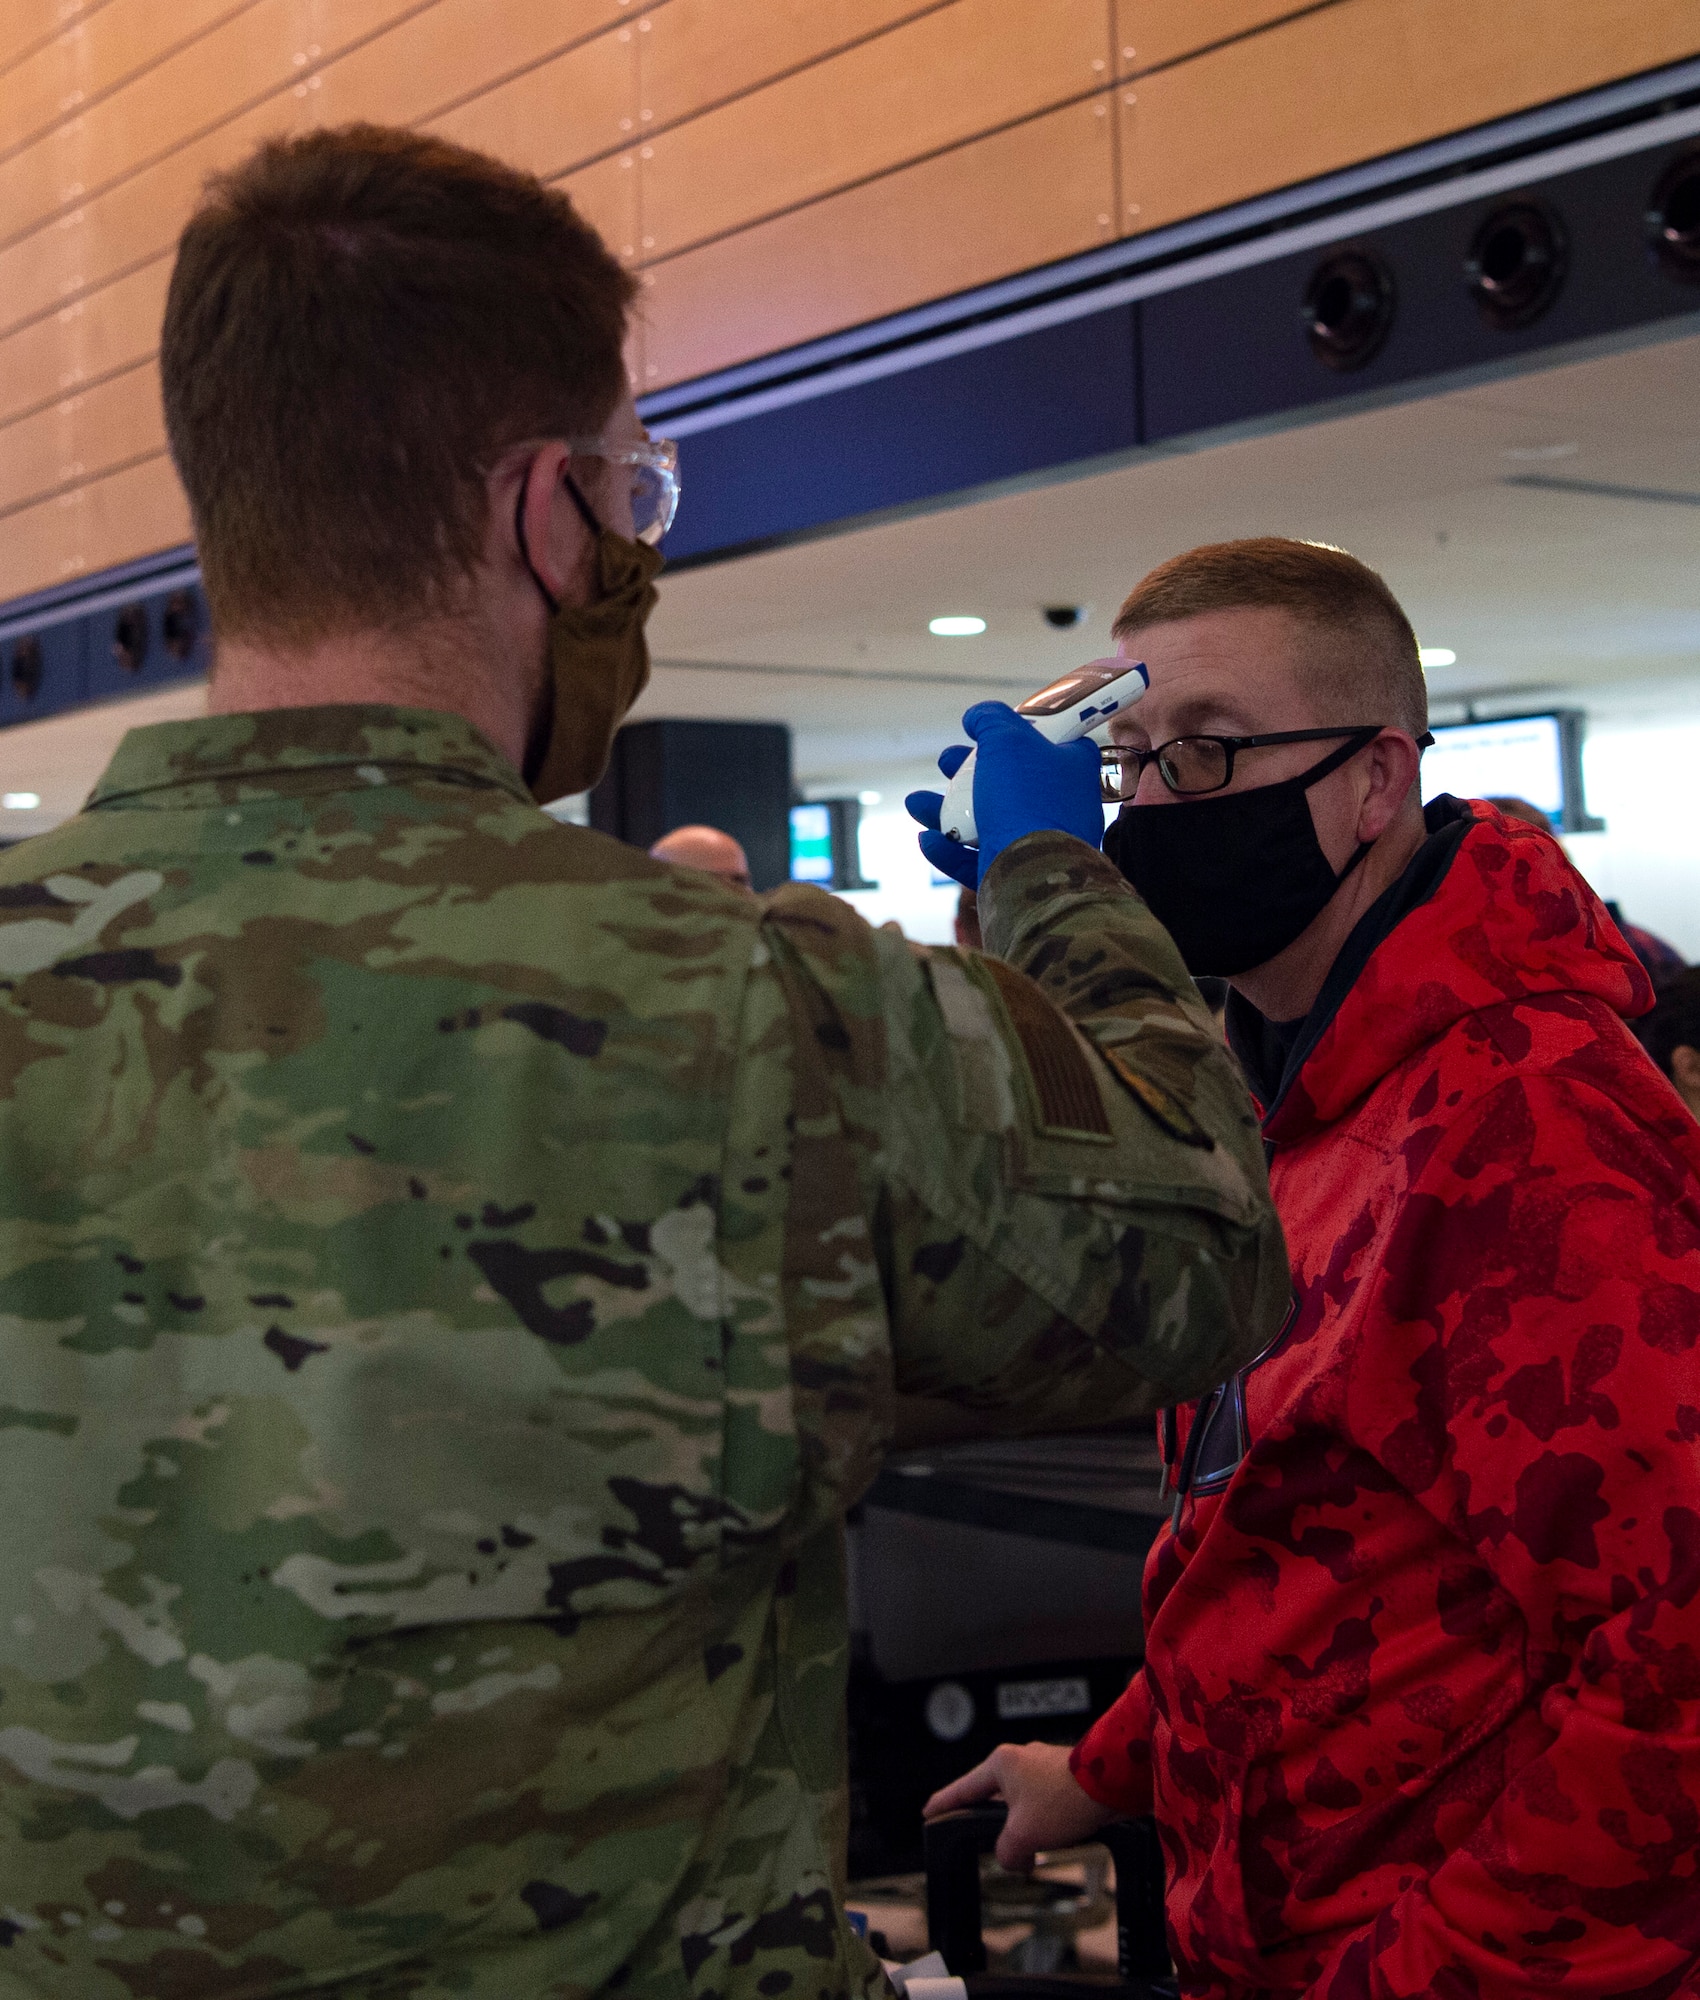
x: 598, y: 662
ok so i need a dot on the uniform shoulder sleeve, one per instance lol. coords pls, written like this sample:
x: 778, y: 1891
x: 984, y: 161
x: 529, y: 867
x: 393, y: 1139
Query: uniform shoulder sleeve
x: 1059, y: 1165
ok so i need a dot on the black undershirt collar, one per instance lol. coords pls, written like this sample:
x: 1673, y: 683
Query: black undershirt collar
x: 1272, y: 1053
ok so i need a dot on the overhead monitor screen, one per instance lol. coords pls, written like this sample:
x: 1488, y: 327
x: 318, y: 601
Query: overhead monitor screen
x: 1520, y: 756
x: 811, y: 844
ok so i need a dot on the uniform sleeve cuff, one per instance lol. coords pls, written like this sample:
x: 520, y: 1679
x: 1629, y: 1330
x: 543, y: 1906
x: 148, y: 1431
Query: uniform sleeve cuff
x: 1026, y: 879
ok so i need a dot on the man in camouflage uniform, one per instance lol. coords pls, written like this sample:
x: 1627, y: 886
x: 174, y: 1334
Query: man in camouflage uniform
x: 456, y: 1270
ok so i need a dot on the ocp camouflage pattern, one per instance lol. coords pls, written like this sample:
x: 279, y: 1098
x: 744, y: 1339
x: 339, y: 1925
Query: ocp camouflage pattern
x: 454, y: 1274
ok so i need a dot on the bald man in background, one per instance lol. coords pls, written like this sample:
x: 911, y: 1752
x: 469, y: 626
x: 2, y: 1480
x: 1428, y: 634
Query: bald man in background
x: 706, y: 848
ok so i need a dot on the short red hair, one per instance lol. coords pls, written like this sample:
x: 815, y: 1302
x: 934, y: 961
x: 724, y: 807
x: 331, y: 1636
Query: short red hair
x: 1366, y: 669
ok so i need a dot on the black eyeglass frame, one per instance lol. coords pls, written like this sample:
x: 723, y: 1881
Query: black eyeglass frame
x: 1231, y: 746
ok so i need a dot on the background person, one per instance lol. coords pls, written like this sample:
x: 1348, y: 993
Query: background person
x: 1516, y: 808
x: 1671, y: 1035
x: 454, y: 1270
x: 1418, y: 1713
x: 705, y: 848
x: 1661, y: 960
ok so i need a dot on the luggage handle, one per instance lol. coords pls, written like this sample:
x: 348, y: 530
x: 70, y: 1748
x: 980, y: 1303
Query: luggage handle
x: 953, y: 1844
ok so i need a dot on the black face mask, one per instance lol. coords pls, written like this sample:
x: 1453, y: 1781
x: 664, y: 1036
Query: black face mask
x: 1234, y: 877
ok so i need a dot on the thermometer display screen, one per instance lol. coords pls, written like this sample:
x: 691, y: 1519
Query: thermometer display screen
x: 1073, y: 688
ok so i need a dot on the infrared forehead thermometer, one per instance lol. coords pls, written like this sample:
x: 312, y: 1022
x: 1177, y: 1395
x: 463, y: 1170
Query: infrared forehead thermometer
x: 1080, y: 704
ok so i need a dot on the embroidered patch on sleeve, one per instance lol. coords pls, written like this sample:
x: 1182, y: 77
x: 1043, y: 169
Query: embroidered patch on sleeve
x: 1066, y: 1096
x: 1166, y: 1108
x: 982, y: 1061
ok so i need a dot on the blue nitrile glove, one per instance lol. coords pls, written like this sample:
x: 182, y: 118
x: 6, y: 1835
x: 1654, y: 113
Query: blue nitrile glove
x: 1023, y: 783
x: 948, y: 856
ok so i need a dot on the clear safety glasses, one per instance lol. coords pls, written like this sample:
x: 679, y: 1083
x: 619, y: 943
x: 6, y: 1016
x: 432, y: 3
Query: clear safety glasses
x: 655, y: 481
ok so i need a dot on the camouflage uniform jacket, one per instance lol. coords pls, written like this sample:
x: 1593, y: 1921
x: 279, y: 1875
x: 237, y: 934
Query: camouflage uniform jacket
x: 456, y: 1272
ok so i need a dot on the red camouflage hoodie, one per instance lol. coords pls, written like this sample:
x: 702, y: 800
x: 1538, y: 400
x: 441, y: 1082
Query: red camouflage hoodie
x: 1422, y: 1684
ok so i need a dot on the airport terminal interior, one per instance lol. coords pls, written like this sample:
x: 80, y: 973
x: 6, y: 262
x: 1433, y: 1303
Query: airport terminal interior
x: 965, y: 315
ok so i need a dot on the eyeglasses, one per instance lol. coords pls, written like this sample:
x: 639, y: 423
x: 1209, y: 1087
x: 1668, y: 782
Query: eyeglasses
x: 655, y: 481
x: 1192, y: 765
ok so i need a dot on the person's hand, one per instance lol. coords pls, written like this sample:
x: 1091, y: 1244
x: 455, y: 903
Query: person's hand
x: 1023, y: 783
x: 949, y: 857
x: 1046, y: 1807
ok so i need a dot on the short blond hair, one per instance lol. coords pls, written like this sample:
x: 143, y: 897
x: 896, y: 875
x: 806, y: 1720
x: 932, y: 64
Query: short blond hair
x: 1366, y: 670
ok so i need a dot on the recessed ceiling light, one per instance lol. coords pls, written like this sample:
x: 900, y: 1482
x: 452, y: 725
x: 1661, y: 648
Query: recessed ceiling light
x: 869, y: 798
x: 1437, y: 656
x: 956, y: 627
x: 20, y: 802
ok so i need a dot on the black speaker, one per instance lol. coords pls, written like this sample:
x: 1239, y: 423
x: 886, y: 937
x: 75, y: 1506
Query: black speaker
x: 1673, y: 217
x: 27, y: 667
x: 733, y: 775
x: 1348, y: 309
x: 130, y: 638
x: 1515, y: 264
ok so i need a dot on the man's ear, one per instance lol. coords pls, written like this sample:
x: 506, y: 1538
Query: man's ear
x: 1392, y: 761
x: 543, y: 513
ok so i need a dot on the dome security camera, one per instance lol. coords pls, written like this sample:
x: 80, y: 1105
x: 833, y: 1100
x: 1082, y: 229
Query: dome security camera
x: 1065, y: 617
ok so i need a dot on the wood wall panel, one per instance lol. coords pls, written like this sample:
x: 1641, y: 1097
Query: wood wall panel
x: 268, y: 48
x: 82, y: 343
x: 781, y: 168
x: 559, y: 113
x: 466, y: 53
x: 73, y: 72
x: 606, y: 195
x: 890, y: 243
x: 111, y: 520
x: 698, y: 53
x: 1150, y: 33
x: 931, y: 84
x: 81, y: 437
x: 138, y: 216
x: 25, y: 24
x: 138, y: 219
x: 1392, y: 73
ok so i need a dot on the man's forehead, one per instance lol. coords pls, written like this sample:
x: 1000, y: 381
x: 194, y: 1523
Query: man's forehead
x: 1233, y: 665
x: 1247, y: 635
x: 1218, y: 712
